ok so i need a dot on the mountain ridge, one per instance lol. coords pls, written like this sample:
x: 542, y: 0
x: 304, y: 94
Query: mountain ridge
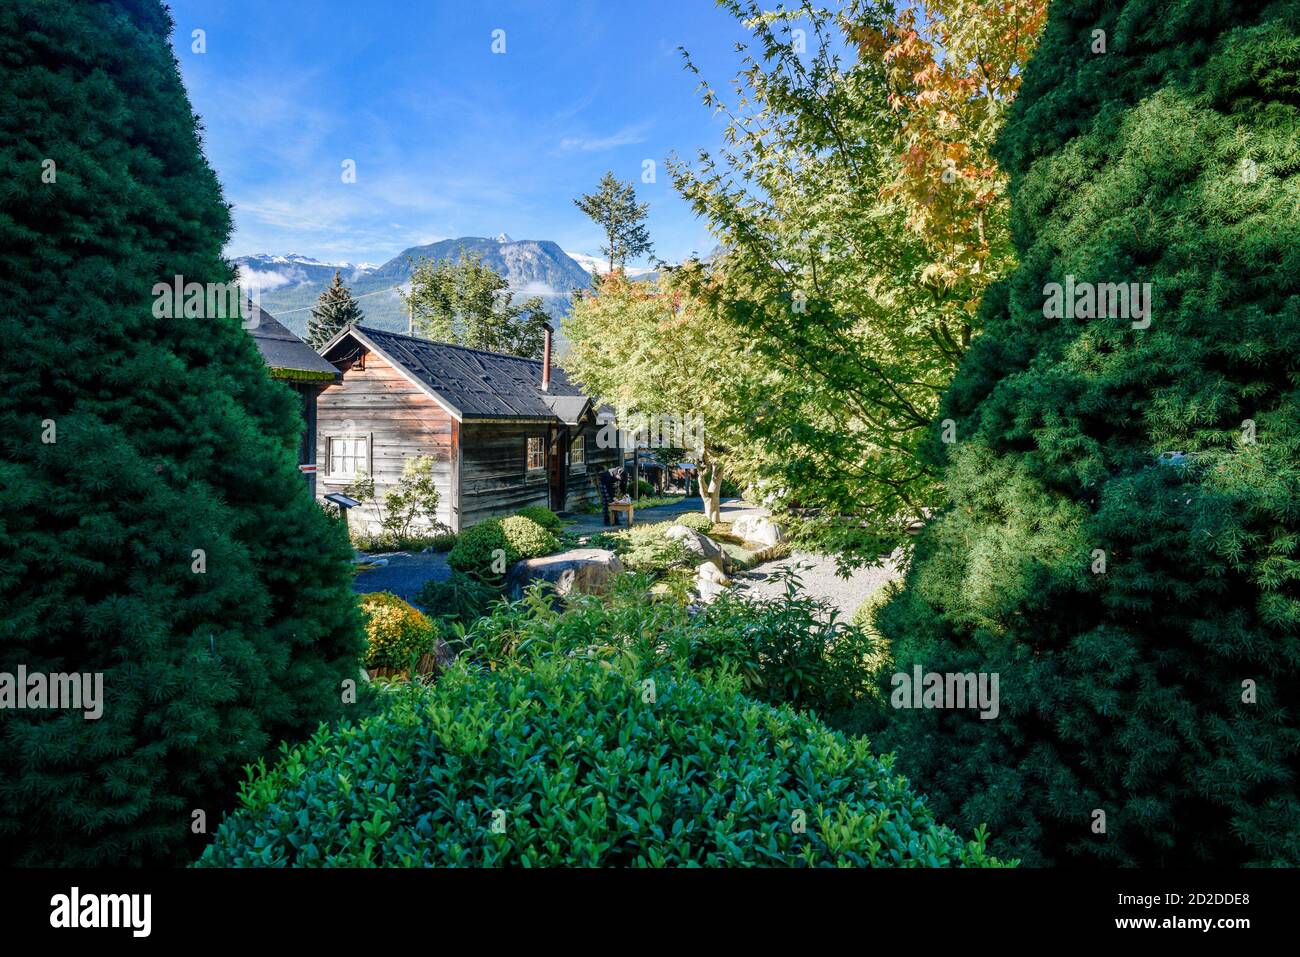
x: 289, y: 285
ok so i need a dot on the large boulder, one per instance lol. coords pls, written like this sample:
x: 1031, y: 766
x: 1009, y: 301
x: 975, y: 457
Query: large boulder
x: 587, y: 571
x: 759, y: 529
x: 699, y: 545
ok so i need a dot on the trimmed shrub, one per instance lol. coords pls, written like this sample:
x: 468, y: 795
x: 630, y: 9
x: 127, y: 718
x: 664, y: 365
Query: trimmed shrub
x: 396, y: 633
x: 457, y: 599
x: 475, y: 549
x: 542, y: 516
x: 527, y: 539
x: 579, y: 769
x: 517, y: 537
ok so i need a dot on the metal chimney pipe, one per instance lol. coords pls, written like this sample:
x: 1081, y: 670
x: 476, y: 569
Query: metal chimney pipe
x: 546, y: 360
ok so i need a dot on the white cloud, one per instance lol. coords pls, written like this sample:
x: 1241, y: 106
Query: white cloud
x: 536, y: 289
x: 266, y: 280
x: 627, y: 136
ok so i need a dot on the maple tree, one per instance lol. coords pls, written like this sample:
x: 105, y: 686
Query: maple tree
x: 860, y: 218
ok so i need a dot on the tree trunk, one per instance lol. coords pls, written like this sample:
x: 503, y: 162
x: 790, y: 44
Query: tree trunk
x: 711, y: 493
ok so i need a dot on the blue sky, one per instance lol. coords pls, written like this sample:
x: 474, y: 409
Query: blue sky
x: 449, y: 139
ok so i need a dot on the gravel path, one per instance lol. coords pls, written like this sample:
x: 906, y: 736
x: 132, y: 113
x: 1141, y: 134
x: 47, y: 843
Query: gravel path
x: 819, y: 580
x: 406, y: 572
x: 591, y: 524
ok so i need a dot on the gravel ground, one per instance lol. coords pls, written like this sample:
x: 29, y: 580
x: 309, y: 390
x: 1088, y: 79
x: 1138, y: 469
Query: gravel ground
x: 591, y: 524
x: 404, y: 573
x: 819, y: 580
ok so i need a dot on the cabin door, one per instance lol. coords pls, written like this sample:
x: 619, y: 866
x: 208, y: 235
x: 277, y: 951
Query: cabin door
x: 555, y: 464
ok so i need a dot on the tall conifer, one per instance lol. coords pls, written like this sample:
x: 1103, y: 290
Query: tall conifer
x: 1123, y: 540
x: 334, y: 311
x: 154, y: 527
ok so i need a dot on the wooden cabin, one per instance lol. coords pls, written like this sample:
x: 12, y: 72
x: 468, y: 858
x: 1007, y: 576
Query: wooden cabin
x: 504, y: 432
x: 297, y: 365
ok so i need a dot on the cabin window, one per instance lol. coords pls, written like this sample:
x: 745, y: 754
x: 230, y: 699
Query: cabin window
x: 578, y: 452
x: 346, y: 456
x: 536, y: 452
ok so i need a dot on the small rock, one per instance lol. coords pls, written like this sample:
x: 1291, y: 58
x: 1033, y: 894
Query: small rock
x: 709, y: 572
x: 709, y: 591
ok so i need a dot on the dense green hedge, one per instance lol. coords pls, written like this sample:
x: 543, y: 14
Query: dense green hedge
x: 156, y: 529
x: 517, y: 537
x: 1143, y: 616
x: 542, y: 516
x: 565, y: 762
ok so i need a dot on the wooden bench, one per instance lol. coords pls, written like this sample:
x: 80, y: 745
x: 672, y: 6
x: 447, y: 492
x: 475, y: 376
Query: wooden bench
x: 623, y: 507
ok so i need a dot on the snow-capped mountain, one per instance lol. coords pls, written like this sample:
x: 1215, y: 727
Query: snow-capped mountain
x: 598, y: 266
x: 290, y: 284
x: 268, y: 273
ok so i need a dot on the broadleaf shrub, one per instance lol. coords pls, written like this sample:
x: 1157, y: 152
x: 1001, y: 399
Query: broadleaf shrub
x: 577, y: 767
x: 542, y: 516
x: 517, y: 537
x: 526, y: 538
x: 396, y: 633
x: 788, y: 651
x: 458, y: 598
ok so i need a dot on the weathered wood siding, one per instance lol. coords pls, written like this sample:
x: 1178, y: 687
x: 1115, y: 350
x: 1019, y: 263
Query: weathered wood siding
x: 379, y: 403
x: 581, y: 485
x: 494, y: 476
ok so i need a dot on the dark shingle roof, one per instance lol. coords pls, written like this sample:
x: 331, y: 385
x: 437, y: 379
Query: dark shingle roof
x: 281, y: 349
x: 482, y: 384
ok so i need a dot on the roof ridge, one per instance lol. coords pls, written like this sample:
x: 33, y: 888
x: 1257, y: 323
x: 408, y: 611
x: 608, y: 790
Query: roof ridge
x: 370, y: 330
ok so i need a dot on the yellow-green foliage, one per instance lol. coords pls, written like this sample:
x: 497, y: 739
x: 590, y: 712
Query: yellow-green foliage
x: 526, y: 538
x: 395, y: 632
x: 542, y: 516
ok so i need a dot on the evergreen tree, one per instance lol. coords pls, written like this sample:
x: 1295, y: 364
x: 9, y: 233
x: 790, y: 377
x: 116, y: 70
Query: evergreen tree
x: 155, y: 530
x: 334, y: 311
x: 613, y: 207
x: 1142, y: 609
